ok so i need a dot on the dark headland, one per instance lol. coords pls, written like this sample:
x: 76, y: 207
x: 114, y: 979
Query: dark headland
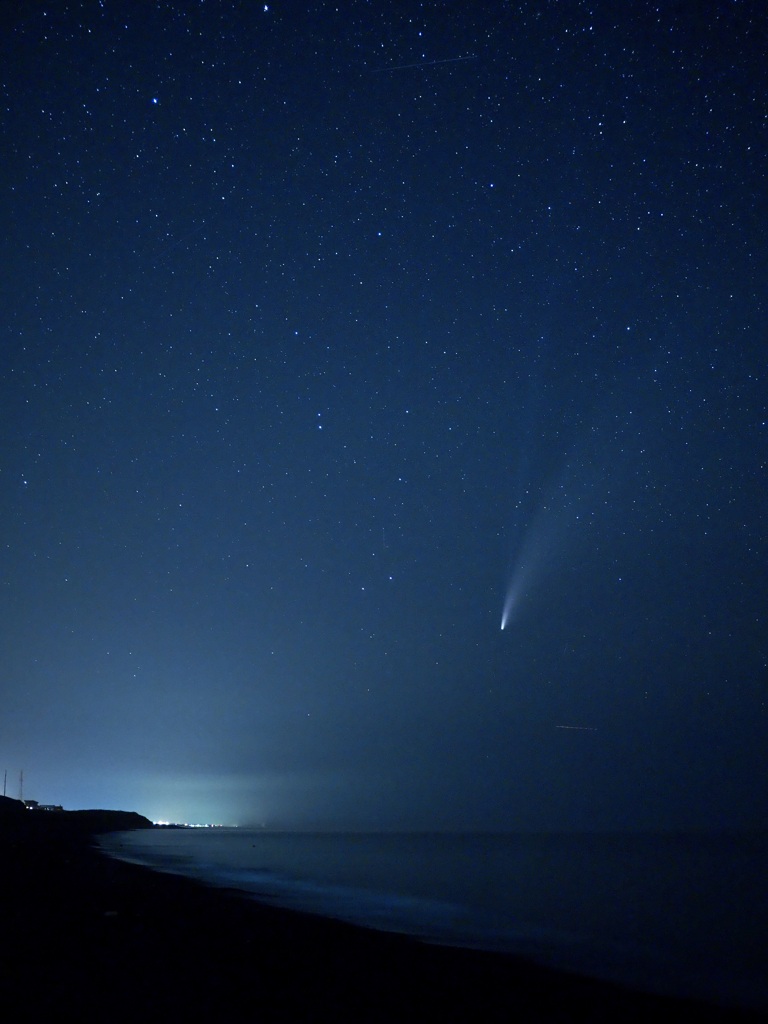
x: 87, y: 938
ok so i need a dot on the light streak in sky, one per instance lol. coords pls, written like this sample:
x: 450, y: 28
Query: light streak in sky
x: 509, y: 605
x: 425, y: 64
x: 578, y: 728
x: 515, y: 593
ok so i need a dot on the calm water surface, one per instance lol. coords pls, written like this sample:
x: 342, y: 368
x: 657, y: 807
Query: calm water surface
x: 678, y: 913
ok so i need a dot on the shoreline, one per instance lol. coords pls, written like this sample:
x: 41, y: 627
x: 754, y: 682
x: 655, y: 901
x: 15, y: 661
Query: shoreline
x: 97, y: 938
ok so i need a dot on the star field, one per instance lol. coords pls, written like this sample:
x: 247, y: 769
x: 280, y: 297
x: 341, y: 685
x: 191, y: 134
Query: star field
x: 330, y: 330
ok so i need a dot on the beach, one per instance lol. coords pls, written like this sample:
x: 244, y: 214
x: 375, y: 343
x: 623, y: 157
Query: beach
x: 94, y: 939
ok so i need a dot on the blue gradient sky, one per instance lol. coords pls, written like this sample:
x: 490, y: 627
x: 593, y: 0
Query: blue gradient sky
x: 312, y: 355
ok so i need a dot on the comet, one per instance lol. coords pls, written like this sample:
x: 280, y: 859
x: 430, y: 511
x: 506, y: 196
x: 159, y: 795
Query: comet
x: 515, y: 592
x: 506, y: 611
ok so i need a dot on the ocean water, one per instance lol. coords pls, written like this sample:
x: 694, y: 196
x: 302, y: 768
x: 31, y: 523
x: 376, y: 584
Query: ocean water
x: 684, y: 914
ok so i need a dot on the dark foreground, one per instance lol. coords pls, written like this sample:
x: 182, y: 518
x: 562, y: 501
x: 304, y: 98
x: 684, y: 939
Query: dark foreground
x: 91, y: 939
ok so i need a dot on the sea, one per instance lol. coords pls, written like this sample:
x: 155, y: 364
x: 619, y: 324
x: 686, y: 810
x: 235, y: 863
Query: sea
x: 673, y: 913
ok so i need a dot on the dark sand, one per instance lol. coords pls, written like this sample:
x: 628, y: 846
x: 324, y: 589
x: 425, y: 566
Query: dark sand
x: 88, y: 938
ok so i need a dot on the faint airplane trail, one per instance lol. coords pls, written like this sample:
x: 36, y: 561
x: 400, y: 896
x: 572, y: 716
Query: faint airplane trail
x: 174, y: 244
x: 424, y: 64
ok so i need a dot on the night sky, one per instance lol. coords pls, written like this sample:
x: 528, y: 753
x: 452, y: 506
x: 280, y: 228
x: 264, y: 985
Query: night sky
x: 333, y: 333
